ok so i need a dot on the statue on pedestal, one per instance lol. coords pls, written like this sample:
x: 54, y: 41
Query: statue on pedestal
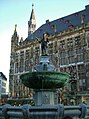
x: 44, y: 43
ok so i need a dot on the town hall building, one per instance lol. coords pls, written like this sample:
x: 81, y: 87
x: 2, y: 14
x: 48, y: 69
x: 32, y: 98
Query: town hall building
x: 68, y: 49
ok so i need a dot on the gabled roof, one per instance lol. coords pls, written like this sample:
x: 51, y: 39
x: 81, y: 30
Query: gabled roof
x: 3, y: 76
x: 59, y: 25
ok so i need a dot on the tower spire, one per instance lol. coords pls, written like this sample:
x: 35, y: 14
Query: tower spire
x: 15, y: 28
x: 15, y: 31
x: 32, y: 5
x: 32, y: 22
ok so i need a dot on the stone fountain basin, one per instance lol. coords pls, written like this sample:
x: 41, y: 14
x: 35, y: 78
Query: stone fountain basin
x: 45, y: 80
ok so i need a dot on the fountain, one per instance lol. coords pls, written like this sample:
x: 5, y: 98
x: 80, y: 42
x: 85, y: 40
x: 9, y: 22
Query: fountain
x: 45, y: 80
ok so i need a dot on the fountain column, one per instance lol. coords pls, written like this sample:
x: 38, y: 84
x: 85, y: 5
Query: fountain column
x: 45, y: 97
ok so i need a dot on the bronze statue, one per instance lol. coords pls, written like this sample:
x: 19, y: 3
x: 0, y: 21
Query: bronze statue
x: 44, y: 43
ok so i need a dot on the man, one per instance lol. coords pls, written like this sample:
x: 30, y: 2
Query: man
x: 44, y: 43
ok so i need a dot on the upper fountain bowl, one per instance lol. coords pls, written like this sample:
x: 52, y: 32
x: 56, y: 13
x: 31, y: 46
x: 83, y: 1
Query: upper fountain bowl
x: 45, y: 76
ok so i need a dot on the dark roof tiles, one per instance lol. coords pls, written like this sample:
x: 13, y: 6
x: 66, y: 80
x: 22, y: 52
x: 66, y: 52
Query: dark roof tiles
x: 62, y: 24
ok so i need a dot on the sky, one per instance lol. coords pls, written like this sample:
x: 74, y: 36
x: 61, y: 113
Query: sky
x: 18, y: 12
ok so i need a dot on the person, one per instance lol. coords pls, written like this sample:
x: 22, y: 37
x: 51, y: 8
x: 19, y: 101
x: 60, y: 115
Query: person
x: 44, y: 43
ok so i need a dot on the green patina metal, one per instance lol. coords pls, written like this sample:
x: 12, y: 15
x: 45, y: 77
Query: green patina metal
x: 45, y: 80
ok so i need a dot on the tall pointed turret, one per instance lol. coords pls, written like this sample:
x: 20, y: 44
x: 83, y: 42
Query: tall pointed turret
x: 14, y: 45
x: 15, y: 38
x: 32, y: 22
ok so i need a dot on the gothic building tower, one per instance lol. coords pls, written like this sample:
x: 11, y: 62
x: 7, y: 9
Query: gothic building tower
x: 16, y: 88
x: 14, y: 45
x: 32, y: 22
